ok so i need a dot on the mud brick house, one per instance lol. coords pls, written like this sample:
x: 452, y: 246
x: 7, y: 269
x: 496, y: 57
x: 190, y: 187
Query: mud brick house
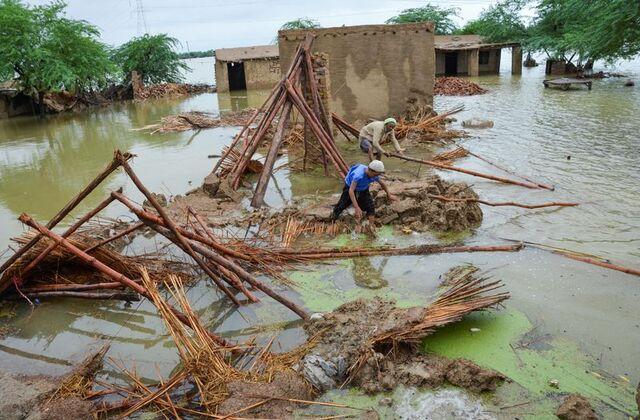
x: 375, y: 70
x: 469, y: 55
x: 247, y: 68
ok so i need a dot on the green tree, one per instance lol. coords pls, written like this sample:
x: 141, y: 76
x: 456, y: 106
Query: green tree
x: 154, y: 58
x: 442, y: 17
x: 501, y: 22
x: 587, y: 31
x: 300, y: 23
x: 44, y: 51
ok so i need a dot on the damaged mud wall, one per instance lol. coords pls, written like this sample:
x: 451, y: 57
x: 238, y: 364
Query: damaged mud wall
x: 376, y: 70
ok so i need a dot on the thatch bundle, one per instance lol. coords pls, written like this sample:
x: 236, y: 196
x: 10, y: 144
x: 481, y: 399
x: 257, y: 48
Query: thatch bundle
x: 428, y: 127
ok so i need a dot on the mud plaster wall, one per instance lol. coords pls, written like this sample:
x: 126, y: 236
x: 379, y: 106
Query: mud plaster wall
x: 222, y: 78
x: 259, y: 74
x: 375, y: 69
x: 262, y: 74
x: 494, y: 62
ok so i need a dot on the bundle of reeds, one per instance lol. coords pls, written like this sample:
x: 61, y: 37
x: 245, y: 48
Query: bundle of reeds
x: 206, y: 362
x: 429, y: 126
x: 447, y: 158
x: 466, y: 295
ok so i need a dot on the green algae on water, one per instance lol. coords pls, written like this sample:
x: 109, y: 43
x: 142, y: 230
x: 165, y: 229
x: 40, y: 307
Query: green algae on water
x: 497, y: 346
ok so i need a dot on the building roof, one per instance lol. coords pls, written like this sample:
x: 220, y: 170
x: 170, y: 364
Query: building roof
x: 247, y: 53
x: 466, y: 42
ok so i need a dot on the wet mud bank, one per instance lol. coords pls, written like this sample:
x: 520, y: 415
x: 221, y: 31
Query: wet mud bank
x: 416, y: 208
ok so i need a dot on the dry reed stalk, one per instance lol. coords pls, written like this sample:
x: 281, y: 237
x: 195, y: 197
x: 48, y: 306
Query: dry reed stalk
x: 466, y: 295
x: 449, y: 156
x: 80, y: 381
x: 425, y: 123
x: 203, y: 359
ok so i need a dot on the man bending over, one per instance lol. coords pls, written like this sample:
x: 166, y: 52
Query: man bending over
x: 356, y: 190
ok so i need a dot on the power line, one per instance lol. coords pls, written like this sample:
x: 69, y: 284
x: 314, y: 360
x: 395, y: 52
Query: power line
x: 142, y: 22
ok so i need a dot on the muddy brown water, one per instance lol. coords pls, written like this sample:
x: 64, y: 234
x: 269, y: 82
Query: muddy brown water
x: 45, y: 162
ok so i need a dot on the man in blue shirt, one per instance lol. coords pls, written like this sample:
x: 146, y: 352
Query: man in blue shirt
x: 356, y: 190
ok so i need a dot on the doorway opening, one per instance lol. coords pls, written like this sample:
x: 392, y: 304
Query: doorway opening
x: 237, y: 80
x: 450, y: 63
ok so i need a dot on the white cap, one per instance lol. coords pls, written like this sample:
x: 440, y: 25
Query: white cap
x: 377, y: 165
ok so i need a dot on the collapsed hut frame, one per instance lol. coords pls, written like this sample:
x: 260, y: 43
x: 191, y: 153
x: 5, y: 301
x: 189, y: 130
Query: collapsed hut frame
x: 294, y: 91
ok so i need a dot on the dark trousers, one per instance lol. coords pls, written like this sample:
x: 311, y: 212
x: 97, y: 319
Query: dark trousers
x: 362, y: 197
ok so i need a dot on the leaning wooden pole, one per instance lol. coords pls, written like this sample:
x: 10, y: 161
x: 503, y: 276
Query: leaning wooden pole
x: 105, y: 269
x: 70, y: 231
x: 272, y: 155
x: 172, y: 226
x: 539, y: 184
x: 112, y: 166
x: 503, y: 204
x: 465, y: 171
x: 206, y: 252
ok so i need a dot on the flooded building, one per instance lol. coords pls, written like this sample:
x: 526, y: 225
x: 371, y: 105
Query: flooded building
x: 374, y: 70
x: 247, y: 68
x: 469, y: 55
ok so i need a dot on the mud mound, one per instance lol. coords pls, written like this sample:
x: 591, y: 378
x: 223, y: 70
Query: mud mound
x: 456, y: 86
x: 406, y: 367
x: 415, y: 208
x: 345, y: 333
x: 418, y: 211
x: 576, y: 407
x: 284, y: 385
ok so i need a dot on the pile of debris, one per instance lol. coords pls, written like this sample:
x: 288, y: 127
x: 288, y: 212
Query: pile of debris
x: 197, y: 120
x: 170, y: 90
x: 368, y: 343
x: 456, y: 86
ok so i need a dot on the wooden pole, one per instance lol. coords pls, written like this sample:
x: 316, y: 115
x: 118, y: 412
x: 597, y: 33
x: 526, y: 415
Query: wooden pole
x: 118, y: 235
x: 113, y: 295
x: 545, y: 186
x: 231, y: 276
x: 74, y: 287
x: 315, y: 125
x: 206, y: 252
x: 172, y: 226
x: 103, y: 268
x: 503, y: 204
x: 145, y: 215
x: 72, y: 229
x: 465, y: 171
x: 272, y: 155
x: 319, y: 254
x: 112, y: 166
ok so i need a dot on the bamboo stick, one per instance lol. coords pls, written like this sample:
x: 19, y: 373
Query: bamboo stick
x: 239, y: 270
x: 172, y: 226
x: 112, y: 166
x: 319, y: 254
x: 233, y: 277
x: 545, y: 186
x: 145, y: 215
x: 265, y: 175
x: 74, y: 287
x: 74, y: 227
x: 314, y: 124
x: 105, y: 241
x: 128, y: 296
x: 103, y: 268
x: 466, y: 171
x: 503, y: 204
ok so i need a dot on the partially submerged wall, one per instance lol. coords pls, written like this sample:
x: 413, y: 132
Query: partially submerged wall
x: 258, y: 73
x: 262, y: 74
x: 376, y: 70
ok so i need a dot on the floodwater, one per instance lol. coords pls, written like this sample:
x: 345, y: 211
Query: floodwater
x: 45, y: 162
